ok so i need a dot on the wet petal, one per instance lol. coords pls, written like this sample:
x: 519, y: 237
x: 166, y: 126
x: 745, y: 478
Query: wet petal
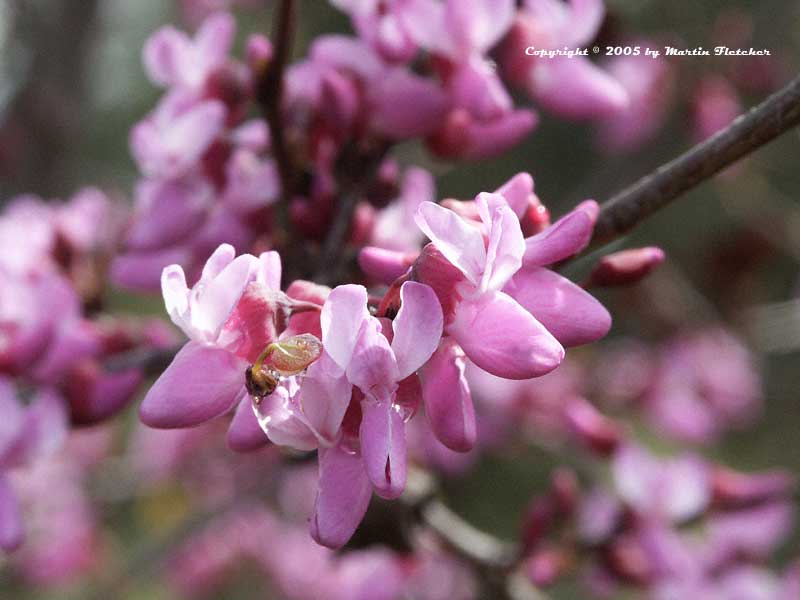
x: 383, y: 446
x: 244, y: 433
x: 342, y: 498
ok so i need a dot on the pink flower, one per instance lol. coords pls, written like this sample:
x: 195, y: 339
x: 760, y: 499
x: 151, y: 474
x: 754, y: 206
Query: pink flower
x: 650, y: 84
x: 229, y: 315
x: 572, y: 87
x: 379, y: 23
x: 173, y: 59
x: 503, y: 308
x: 384, y: 374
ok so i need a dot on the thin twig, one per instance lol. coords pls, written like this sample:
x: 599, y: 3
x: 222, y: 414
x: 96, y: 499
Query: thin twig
x: 355, y: 174
x: 270, y: 93
x: 776, y: 115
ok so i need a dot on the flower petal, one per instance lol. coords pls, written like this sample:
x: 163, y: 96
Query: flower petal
x: 342, y: 498
x: 270, y: 269
x: 244, y: 433
x: 459, y: 242
x: 517, y: 192
x: 324, y: 398
x: 570, y: 313
x: 564, y: 238
x: 501, y: 337
x: 447, y: 398
x: 506, y: 244
x: 11, y: 533
x: 383, y: 446
x: 417, y: 327
x: 201, y: 383
x: 342, y: 316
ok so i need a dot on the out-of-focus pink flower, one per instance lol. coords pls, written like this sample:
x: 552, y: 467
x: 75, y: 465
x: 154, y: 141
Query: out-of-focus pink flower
x: 379, y: 23
x: 173, y: 59
x: 674, y: 489
x: 650, y: 84
x: 625, y: 267
x: 571, y: 87
x: 705, y: 384
x: 715, y: 105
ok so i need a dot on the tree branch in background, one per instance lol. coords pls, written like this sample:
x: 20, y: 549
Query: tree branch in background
x: 763, y: 123
x: 270, y: 93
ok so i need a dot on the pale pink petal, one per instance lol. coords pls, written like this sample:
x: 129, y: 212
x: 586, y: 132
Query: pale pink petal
x: 373, y: 367
x: 244, y: 433
x: 342, y: 498
x: 346, y: 54
x: 477, y: 25
x: 201, y: 383
x: 218, y: 297
x: 270, y: 270
x: 501, y: 337
x: 563, y: 239
x: 214, y: 39
x: 506, y: 243
x: 176, y: 296
x: 11, y: 533
x: 570, y: 313
x: 279, y: 416
x: 324, y: 398
x: 576, y: 24
x: 383, y: 447
x: 448, y: 403
x: 219, y: 259
x: 163, y: 55
x: 417, y: 327
x: 517, y: 192
x: 459, y: 242
x: 342, y: 316
x: 425, y: 22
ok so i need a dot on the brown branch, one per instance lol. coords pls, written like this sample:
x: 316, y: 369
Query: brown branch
x: 355, y: 171
x: 270, y: 93
x: 763, y: 123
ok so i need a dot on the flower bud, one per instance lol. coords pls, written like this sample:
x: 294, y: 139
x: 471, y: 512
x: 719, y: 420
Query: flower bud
x: 384, y: 265
x: 732, y: 489
x: 594, y: 430
x: 625, y: 267
x: 545, y: 566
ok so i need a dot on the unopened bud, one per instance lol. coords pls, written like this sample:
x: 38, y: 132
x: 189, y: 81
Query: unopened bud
x: 594, y: 430
x: 625, y: 267
x: 732, y: 489
x: 545, y: 566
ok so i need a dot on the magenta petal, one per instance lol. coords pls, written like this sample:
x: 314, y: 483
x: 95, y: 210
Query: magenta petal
x: 570, y: 313
x: 383, y: 446
x: 201, y: 383
x: 501, y: 337
x: 405, y: 105
x: 417, y: 327
x: 244, y: 433
x: 11, y: 533
x: 564, y: 238
x: 447, y: 398
x: 342, y: 498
